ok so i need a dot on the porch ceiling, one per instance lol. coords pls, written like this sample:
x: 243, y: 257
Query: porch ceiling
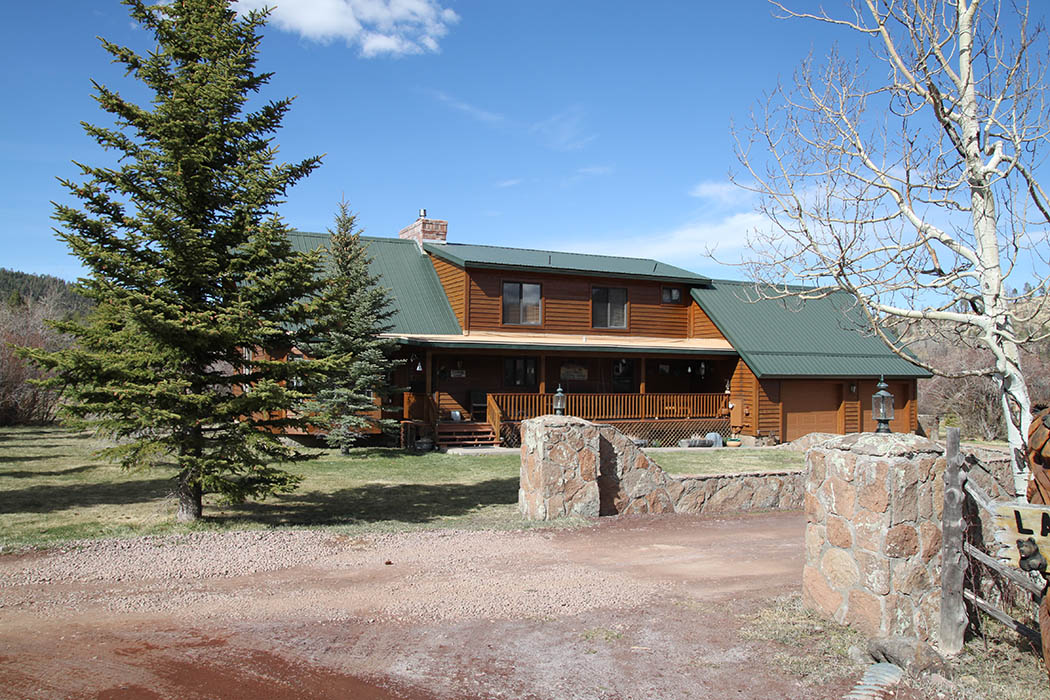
x: 491, y: 340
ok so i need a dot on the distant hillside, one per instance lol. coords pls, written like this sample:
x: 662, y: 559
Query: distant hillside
x: 30, y: 286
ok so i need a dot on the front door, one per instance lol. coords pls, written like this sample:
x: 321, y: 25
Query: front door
x: 623, y: 376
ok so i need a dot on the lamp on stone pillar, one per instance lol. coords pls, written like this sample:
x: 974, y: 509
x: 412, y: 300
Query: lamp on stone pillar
x: 882, y: 406
x: 559, y: 402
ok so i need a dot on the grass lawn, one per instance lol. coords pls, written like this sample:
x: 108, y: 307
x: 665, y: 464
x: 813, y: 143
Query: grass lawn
x: 52, y: 490
x: 731, y: 460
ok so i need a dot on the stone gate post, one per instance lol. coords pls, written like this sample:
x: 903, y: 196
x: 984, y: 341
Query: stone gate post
x: 873, y: 509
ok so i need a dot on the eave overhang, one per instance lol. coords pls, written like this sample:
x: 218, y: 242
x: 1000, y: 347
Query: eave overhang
x: 548, y: 342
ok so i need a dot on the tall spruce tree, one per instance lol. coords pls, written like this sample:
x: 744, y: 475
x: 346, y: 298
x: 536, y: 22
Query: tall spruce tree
x: 355, y: 311
x: 189, y: 265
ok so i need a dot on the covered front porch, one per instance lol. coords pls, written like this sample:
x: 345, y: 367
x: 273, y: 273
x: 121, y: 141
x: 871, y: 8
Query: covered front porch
x: 483, y: 395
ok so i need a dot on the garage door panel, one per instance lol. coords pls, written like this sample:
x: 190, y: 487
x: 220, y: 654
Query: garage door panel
x: 811, y: 407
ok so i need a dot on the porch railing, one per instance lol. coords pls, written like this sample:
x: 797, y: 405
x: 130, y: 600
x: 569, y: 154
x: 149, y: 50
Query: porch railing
x: 493, y: 414
x: 420, y: 407
x: 516, y: 407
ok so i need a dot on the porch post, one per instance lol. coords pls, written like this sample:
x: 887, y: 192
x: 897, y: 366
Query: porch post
x: 641, y: 381
x: 543, y: 373
x: 430, y: 374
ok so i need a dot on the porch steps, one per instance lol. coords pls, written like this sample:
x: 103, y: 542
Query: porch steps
x: 465, y: 435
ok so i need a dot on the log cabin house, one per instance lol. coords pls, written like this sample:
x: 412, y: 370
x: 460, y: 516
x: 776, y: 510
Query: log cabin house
x: 489, y: 333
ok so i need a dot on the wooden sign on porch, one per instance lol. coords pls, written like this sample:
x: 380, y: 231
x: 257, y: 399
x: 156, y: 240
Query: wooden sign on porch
x: 1019, y: 521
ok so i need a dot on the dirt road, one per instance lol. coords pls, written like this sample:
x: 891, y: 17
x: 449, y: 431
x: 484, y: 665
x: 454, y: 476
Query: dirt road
x: 642, y: 607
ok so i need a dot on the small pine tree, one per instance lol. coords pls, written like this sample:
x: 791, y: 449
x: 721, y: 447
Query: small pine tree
x: 190, y: 266
x: 353, y: 311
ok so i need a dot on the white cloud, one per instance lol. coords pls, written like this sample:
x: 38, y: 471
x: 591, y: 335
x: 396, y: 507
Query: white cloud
x: 722, y: 193
x: 470, y: 110
x: 565, y: 131
x: 694, y: 246
x: 512, y: 182
x: 377, y: 27
x: 588, y: 171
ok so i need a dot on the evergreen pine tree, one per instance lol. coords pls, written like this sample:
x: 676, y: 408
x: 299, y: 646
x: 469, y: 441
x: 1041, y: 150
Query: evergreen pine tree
x: 189, y: 265
x: 355, y: 310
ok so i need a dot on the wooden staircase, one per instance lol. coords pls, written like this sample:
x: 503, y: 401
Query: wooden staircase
x: 466, y: 434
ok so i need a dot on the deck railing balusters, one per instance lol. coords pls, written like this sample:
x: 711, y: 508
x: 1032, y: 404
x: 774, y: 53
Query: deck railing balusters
x: 593, y: 406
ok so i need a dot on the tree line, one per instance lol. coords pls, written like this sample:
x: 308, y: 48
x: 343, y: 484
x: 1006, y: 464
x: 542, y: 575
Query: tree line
x: 18, y: 288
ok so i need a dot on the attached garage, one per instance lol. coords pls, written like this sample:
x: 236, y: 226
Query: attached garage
x: 805, y: 365
x: 811, y: 407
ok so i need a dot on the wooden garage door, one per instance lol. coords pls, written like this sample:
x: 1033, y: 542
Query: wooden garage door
x: 811, y: 407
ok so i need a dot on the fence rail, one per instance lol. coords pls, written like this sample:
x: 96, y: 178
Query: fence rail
x: 957, y: 555
x: 516, y: 407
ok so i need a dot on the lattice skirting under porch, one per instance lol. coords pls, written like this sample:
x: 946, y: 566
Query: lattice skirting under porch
x: 648, y: 433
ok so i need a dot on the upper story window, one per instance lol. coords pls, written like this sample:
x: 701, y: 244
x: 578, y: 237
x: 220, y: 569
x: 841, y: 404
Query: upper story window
x: 609, y: 307
x: 521, y: 304
x: 671, y: 295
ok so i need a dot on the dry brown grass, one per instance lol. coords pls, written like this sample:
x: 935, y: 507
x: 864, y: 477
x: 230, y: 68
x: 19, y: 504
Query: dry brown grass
x: 813, y: 649
x: 995, y: 665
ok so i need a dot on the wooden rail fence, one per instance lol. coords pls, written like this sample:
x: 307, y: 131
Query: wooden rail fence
x: 957, y: 555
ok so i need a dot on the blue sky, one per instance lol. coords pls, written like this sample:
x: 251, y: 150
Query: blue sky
x: 589, y: 126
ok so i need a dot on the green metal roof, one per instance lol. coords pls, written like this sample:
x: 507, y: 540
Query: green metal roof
x: 418, y: 299
x: 791, y: 337
x: 487, y: 256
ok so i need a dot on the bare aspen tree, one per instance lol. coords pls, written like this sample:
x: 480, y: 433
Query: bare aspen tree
x: 911, y: 179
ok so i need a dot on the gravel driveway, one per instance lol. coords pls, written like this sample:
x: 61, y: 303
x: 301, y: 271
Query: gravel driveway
x: 633, y: 607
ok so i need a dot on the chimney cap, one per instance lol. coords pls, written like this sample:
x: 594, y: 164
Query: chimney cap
x: 422, y: 213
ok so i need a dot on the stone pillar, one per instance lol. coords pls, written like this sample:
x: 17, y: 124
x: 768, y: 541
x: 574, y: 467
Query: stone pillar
x: 873, y: 509
x: 559, y: 468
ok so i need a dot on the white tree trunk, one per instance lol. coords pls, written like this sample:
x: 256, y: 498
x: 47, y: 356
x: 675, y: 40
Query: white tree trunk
x: 1017, y: 411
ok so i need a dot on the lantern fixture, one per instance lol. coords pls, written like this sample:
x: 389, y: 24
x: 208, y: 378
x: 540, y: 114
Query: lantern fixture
x: 882, y: 406
x: 559, y: 402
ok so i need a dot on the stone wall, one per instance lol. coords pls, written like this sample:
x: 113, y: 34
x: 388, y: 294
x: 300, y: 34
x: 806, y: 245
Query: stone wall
x: 873, y: 538
x: 570, y: 466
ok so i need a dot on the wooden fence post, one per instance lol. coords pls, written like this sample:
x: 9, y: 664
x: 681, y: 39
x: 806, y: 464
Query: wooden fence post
x: 953, y: 559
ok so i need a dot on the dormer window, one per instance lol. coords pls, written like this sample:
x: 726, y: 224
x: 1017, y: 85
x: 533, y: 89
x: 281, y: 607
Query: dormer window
x: 522, y: 304
x: 671, y: 295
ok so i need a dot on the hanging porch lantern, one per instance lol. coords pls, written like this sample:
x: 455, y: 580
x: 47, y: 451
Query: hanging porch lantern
x: 559, y: 402
x: 882, y: 406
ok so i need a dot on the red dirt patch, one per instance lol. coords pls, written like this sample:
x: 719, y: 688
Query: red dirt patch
x: 633, y: 607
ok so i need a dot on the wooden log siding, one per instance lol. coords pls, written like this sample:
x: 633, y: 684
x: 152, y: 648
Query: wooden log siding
x: 567, y: 305
x: 454, y: 280
x: 770, y: 419
x: 515, y: 407
x: 743, y: 387
x: 701, y: 325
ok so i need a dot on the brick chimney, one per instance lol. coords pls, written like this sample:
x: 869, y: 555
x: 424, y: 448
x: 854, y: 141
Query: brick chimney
x: 425, y: 230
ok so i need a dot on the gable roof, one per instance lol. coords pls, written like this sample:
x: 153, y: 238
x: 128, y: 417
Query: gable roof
x: 417, y: 297
x: 496, y: 257
x: 791, y: 337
